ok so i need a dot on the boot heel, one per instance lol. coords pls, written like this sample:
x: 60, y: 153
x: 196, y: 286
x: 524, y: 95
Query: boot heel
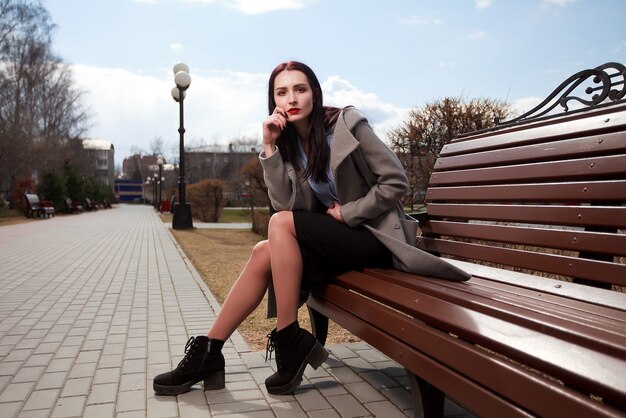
x: 215, y: 380
x: 318, y: 355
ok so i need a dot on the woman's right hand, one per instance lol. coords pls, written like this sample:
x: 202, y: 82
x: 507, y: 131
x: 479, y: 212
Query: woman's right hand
x: 272, y: 127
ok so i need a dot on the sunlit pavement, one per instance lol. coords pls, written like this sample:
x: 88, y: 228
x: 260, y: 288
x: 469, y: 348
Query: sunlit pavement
x: 92, y: 306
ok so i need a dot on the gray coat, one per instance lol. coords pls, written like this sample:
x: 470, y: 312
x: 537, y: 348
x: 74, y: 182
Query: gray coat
x: 370, y: 182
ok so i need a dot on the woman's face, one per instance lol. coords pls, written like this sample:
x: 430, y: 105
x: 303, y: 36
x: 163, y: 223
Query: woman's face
x: 294, y: 95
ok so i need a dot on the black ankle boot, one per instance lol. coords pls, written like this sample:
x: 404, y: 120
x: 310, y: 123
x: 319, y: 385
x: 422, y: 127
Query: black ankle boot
x: 203, y: 361
x: 295, y: 348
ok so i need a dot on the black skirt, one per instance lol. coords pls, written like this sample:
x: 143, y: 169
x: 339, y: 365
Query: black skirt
x: 329, y: 247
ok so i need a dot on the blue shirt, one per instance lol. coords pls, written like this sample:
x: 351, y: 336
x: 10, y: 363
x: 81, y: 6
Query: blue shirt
x: 325, y: 190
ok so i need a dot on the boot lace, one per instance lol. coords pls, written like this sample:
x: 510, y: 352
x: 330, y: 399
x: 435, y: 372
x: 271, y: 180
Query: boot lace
x: 271, y: 346
x: 189, y: 350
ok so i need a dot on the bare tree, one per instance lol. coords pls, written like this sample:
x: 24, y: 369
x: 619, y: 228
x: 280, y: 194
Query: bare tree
x: 41, y: 117
x: 157, y: 146
x: 420, y: 139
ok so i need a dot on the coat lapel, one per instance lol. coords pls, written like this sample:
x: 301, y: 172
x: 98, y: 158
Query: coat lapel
x: 343, y: 141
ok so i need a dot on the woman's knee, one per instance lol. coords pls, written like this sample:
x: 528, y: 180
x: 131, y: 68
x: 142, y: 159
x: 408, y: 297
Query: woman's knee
x: 281, y: 222
x: 261, y: 250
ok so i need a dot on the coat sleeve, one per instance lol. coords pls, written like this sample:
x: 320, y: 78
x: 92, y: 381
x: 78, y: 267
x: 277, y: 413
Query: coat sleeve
x: 280, y: 179
x: 388, y: 178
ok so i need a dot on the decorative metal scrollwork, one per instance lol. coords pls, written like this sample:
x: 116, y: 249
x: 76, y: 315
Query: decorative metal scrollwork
x: 606, y: 85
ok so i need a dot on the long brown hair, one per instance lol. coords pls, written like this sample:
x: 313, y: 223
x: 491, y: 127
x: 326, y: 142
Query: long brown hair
x: 321, y: 120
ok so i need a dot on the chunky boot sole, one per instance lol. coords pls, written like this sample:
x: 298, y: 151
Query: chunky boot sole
x: 315, y: 358
x: 212, y: 381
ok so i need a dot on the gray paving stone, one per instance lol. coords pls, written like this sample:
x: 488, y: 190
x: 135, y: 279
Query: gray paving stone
x: 105, y: 410
x: 69, y: 407
x: 85, y: 328
x: 41, y: 399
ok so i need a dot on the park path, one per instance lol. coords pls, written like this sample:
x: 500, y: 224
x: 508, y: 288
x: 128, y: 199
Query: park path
x: 92, y: 306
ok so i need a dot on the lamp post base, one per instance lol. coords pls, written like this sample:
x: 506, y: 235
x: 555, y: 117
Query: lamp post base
x: 182, y: 216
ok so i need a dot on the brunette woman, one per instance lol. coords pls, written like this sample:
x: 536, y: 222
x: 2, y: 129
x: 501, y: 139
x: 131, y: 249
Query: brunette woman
x: 337, y: 190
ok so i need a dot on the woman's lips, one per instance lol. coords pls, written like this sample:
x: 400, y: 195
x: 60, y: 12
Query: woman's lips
x: 293, y: 111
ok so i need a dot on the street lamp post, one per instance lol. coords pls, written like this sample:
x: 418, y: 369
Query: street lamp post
x: 154, y: 190
x: 182, y: 210
x: 160, y: 164
x: 148, y: 182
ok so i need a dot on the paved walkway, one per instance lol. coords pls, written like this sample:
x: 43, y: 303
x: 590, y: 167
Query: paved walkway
x: 92, y: 306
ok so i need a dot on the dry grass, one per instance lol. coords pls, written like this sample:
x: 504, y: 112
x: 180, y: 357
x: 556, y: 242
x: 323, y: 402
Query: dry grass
x: 219, y: 256
x: 11, y: 217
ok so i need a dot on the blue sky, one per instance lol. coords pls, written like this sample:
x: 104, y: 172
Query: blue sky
x: 384, y: 57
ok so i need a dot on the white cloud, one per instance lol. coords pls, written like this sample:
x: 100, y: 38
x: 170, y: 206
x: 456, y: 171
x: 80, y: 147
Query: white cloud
x: 447, y: 65
x: 382, y: 116
x: 422, y: 21
x: 176, y: 47
x: 255, y: 7
x: 562, y: 3
x: 483, y: 4
x: 524, y: 104
x: 477, y: 34
x: 146, y: 1
x: 132, y: 109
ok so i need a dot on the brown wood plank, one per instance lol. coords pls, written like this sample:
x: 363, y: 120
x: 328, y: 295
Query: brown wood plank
x: 555, y: 129
x: 601, y: 271
x: 584, y: 191
x: 577, y: 322
x: 461, y: 388
x: 596, y: 242
x: 606, y: 216
x: 450, y: 355
x: 601, y: 168
x: 554, y: 356
x: 544, y: 151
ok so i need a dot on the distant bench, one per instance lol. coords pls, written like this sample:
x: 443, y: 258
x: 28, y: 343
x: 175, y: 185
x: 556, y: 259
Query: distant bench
x: 36, y: 208
x: 517, y: 207
x: 72, y: 206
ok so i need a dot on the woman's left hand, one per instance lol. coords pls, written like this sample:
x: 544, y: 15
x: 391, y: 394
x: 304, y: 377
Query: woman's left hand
x: 334, y: 210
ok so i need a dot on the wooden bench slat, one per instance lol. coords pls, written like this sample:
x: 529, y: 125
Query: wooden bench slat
x: 597, y: 242
x: 600, y: 271
x: 357, y: 314
x: 605, y: 322
x: 535, y: 192
x: 564, y: 128
x: 546, y: 353
x: 579, y: 169
x: 576, y: 322
x: 582, y: 216
x: 568, y: 292
x: 544, y: 151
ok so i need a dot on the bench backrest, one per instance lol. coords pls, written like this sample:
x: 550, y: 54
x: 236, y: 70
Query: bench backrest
x: 32, y: 200
x: 546, y: 196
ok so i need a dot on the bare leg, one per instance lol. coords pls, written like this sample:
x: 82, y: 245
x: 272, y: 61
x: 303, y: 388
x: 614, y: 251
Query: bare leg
x: 246, y: 293
x: 286, y: 262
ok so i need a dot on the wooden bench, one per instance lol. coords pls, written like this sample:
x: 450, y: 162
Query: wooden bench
x: 73, y: 206
x: 535, y: 210
x: 33, y: 207
x: 90, y: 204
x: 48, y: 208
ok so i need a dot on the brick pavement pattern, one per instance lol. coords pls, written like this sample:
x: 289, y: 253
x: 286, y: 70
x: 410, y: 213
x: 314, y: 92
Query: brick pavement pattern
x: 92, y: 306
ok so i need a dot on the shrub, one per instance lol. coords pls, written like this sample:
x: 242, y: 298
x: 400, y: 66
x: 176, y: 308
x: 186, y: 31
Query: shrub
x: 260, y: 221
x: 20, y: 186
x: 74, y: 185
x: 207, y: 199
x: 52, y: 188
